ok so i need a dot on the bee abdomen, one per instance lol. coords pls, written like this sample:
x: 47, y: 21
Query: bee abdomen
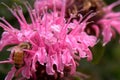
x: 18, y: 59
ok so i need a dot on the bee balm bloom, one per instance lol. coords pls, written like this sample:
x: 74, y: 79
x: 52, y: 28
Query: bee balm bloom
x: 110, y: 22
x: 50, y: 48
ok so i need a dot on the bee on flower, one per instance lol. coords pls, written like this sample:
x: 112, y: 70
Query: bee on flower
x: 53, y: 48
x: 48, y: 47
x: 17, y: 58
x: 19, y: 54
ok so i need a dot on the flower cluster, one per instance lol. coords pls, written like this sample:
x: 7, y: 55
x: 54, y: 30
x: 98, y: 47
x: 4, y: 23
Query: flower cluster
x: 110, y: 22
x: 50, y: 43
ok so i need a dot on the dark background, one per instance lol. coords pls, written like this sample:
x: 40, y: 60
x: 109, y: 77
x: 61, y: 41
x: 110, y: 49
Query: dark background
x: 106, y: 60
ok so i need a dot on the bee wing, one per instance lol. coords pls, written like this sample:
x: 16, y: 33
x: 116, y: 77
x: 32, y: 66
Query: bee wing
x: 11, y: 48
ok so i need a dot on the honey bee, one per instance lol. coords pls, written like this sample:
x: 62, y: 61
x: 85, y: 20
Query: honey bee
x: 19, y: 54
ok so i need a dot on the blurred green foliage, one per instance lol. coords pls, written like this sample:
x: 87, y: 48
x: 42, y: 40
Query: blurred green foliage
x: 106, y: 60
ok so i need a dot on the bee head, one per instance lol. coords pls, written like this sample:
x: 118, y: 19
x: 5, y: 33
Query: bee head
x: 25, y: 45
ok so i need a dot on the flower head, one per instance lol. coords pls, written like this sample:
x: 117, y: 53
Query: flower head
x: 53, y: 42
x: 110, y: 22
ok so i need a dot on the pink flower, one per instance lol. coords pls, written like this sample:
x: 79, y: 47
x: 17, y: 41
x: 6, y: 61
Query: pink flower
x: 109, y: 22
x: 40, y: 5
x: 49, y: 43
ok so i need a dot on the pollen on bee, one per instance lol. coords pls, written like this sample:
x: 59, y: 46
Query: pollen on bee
x: 18, y: 58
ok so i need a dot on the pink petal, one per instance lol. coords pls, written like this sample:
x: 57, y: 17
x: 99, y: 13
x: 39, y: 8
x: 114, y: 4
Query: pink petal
x: 10, y: 74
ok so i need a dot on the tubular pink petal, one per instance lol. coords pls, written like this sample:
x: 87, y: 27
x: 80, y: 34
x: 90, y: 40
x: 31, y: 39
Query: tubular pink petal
x: 6, y: 23
x: 10, y: 74
x: 107, y: 34
x: 30, y: 12
x: 96, y: 29
x: 7, y: 39
x: 7, y: 61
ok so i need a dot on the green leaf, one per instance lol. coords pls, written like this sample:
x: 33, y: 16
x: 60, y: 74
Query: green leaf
x: 98, y: 52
